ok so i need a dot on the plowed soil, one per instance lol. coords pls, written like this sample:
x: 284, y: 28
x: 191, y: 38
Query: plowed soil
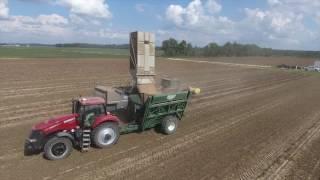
x: 248, y: 122
x: 274, y: 61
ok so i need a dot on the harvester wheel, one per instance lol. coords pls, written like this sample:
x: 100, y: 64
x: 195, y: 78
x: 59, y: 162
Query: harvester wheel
x: 105, y: 135
x: 57, y: 148
x: 169, y: 125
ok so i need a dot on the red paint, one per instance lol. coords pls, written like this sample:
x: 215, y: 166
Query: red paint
x: 69, y: 122
x: 60, y: 123
x: 105, y: 118
x: 91, y: 100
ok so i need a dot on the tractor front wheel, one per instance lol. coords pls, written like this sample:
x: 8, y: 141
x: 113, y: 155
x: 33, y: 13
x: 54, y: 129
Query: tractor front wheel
x: 105, y: 135
x: 57, y: 148
x: 169, y: 125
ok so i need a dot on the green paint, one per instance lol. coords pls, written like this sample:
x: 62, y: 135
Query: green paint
x: 156, y: 108
x: 61, y: 52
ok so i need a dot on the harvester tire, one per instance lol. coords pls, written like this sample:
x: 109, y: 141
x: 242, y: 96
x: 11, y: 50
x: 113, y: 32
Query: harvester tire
x: 105, y: 135
x: 58, y: 148
x: 169, y: 125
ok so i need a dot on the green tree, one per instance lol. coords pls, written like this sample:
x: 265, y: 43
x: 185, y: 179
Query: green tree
x: 212, y: 49
x: 227, y: 49
x: 170, y: 47
x: 189, y: 50
x: 182, y: 48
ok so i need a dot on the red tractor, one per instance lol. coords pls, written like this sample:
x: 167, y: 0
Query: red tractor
x: 94, y: 120
x: 57, y: 136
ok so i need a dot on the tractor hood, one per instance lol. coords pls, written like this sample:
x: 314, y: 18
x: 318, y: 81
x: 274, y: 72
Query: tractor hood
x: 63, y: 122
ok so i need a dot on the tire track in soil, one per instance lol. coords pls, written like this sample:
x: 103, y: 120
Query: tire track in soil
x: 267, y: 89
x: 18, y: 92
x: 199, y: 106
x: 251, y: 174
x: 45, y: 113
x: 11, y: 114
x: 255, y: 166
x: 13, y: 100
x: 281, y: 143
x: 244, y: 91
x: 40, y: 115
x: 4, y: 109
x: 196, y: 83
x: 28, y: 112
x: 315, y: 171
x: 153, y: 156
x: 203, y: 112
x: 12, y: 121
x: 229, y: 91
x: 53, y: 81
x: 222, y: 63
x: 226, y: 86
x: 286, y: 160
x: 51, y: 86
x: 175, y: 166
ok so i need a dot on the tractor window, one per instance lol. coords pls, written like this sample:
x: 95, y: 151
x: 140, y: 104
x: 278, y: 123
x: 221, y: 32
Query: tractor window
x: 96, y: 109
x: 79, y: 109
x: 91, y: 112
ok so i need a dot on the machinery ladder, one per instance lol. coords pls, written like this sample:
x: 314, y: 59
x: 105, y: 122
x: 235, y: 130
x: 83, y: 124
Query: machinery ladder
x: 86, y: 139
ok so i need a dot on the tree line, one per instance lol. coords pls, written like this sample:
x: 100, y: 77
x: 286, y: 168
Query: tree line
x: 87, y: 45
x: 172, y: 47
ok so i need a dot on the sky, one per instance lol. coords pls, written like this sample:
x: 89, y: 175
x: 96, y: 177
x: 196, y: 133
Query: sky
x: 281, y: 24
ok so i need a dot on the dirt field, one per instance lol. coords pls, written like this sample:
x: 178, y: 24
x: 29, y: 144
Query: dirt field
x: 273, y: 61
x: 248, y: 123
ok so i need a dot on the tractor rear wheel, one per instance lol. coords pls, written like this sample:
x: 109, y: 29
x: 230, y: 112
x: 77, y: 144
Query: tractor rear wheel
x: 105, y: 135
x: 57, y: 148
x: 169, y: 125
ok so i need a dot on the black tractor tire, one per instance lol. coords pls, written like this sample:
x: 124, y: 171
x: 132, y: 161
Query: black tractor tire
x: 57, y: 148
x: 105, y: 135
x: 169, y: 125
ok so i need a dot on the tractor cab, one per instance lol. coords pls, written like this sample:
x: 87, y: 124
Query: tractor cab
x: 92, y: 115
x: 87, y: 109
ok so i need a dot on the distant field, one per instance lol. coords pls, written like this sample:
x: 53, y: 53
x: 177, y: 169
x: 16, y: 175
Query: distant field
x: 53, y: 52
x: 259, y: 60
